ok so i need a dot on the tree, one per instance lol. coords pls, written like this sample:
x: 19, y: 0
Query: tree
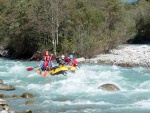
x: 110, y: 32
x: 142, y: 21
x: 82, y: 21
x: 48, y: 15
x: 18, y: 29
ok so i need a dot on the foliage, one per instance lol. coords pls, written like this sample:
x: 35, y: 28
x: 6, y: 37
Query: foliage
x: 86, y: 27
x: 142, y: 20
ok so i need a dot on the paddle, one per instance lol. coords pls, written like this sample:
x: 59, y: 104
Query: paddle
x: 45, y: 74
x: 31, y: 68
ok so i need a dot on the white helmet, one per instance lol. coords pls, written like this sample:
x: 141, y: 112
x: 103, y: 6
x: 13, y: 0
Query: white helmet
x: 62, y: 56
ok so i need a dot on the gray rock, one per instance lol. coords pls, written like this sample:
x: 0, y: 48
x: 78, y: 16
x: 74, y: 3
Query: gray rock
x: 15, y: 96
x: 6, y: 107
x: 2, y: 96
x: 1, y: 81
x: 109, y: 87
x: 1, y: 108
x: 30, y: 102
x: 4, y: 111
x: 11, y: 111
x: 3, y: 102
x: 6, y: 87
x: 27, y: 95
x: 82, y: 59
x: 27, y: 111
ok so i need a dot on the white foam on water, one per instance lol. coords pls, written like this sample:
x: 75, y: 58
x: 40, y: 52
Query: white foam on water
x: 31, y: 75
x: 86, y: 81
x: 17, y: 69
x: 47, y: 87
x: 81, y: 102
x: 142, y: 104
x: 114, y: 67
x: 81, y: 87
x: 145, y: 85
x: 34, y: 87
x: 109, y: 75
x: 76, y: 102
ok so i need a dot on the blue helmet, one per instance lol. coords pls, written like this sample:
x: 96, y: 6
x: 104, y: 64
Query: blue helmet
x: 70, y: 56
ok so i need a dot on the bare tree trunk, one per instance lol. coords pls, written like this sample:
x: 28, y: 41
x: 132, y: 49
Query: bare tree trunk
x: 53, y: 30
x: 57, y: 23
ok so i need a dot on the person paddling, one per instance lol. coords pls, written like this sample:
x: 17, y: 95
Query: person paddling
x: 46, y: 63
x: 61, y: 60
x: 72, y: 61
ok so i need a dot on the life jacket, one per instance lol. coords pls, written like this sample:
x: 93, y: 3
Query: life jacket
x: 45, y: 64
x: 67, y: 60
x: 49, y: 57
x: 52, y: 57
x: 73, y: 62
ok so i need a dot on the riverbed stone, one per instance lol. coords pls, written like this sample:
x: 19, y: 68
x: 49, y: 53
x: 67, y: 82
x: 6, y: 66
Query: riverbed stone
x: 6, y: 107
x: 127, y: 55
x: 27, y: 95
x: 3, y: 102
x: 81, y: 60
x: 4, y: 111
x: 30, y: 102
x: 109, y: 87
x: 27, y: 111
x: 3, y: 96
x: 1, y: 108
x: 1, y: 81
x: 16, y: 96
x: 6, y: 87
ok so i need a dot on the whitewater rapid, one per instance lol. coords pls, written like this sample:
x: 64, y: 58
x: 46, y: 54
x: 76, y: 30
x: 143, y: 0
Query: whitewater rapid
x: 78, y: 92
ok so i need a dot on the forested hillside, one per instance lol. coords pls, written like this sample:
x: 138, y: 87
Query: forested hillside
x: 86, y: 27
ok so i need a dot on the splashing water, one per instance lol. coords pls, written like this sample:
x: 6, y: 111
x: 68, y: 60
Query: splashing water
x: 78, y: 92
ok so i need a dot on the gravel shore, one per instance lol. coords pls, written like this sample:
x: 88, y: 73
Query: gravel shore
x: 125, y: 55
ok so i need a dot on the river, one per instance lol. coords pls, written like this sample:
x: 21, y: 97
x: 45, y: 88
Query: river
x: 78, y: 92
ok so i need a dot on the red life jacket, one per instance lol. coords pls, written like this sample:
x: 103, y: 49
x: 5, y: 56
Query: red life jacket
x: 46, y: 57
x: 49, y: 57
x: 67, y: 60
x: 45, y: 64
x: 73, y: 62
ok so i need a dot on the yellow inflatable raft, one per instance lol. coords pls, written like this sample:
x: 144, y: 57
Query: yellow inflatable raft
x: 58, y: 70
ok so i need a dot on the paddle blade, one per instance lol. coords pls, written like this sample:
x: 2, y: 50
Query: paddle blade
x: 30, y: 69
x: 45, y: 74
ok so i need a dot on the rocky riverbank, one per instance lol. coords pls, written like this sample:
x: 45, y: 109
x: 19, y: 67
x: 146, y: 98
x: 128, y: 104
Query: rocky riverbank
x: 124, y: 55
x: 4, y: 107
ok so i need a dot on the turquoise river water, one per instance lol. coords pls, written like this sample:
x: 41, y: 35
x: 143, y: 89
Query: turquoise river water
x: 78, y: 92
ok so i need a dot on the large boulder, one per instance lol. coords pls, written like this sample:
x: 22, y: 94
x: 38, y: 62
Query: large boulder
x: 109, y: 87
x: 6, y: 87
